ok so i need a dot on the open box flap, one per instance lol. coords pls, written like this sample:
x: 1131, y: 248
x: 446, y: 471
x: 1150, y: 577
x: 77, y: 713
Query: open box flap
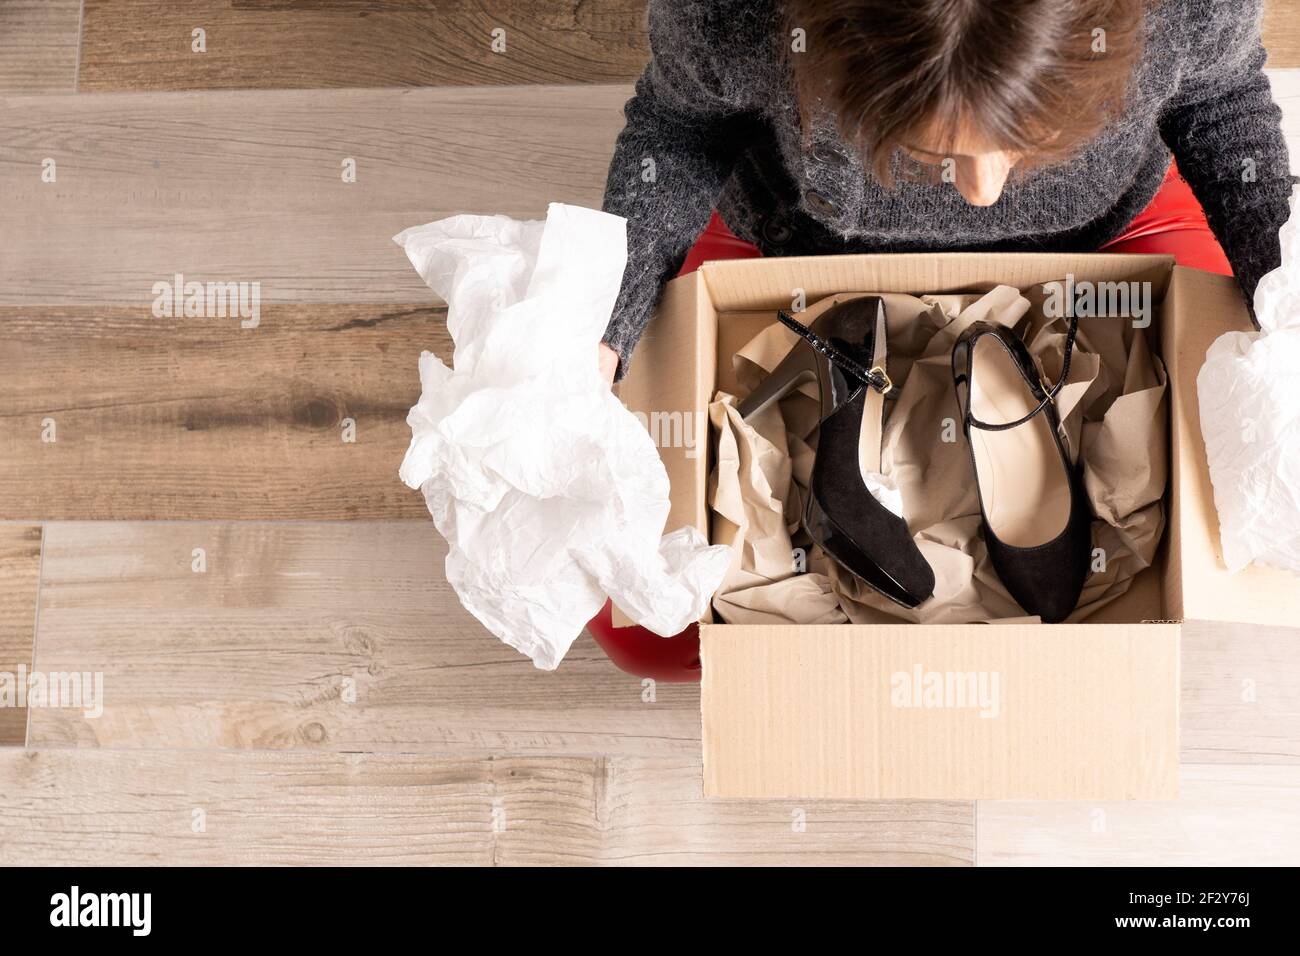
x: 746, y: 284
x: 1072, y: 711
x: 1201, y: 306
x: 671, y: 384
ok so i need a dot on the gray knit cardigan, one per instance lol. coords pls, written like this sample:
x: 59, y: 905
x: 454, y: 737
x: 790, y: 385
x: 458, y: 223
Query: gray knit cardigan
x: 715, y: 123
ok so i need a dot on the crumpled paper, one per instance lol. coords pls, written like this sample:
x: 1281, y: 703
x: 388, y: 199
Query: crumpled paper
x: 1249, y: 394
x: 550, y: 493
x: 1114, y: 415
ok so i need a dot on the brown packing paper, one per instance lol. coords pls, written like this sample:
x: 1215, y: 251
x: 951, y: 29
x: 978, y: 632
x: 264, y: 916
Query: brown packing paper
x: 763, y: 582
x: 1114, y: 417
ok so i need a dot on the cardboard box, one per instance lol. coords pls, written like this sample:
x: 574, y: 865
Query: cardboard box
x: 1065, y: 711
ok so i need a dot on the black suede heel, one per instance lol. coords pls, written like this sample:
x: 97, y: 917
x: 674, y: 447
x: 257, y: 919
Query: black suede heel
x: 841, y: 515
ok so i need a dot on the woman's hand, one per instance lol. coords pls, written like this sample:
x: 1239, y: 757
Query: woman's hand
x: 607, y: 358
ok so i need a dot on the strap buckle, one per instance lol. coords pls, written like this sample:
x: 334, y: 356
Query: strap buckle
x: 876, y: 377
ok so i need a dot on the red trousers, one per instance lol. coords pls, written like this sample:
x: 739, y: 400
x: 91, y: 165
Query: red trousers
x: 1173, y: 224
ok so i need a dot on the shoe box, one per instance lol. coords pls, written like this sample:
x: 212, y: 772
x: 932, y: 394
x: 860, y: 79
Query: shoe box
x: 974, y: 711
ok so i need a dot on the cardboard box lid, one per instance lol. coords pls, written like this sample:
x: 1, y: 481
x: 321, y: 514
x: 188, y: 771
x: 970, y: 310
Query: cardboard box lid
x: 1072, y: 711
x: 1198, y: 585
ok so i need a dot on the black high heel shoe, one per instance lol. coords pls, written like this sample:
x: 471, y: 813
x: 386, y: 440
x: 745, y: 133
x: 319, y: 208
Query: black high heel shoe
x: 844, y: 352
x: 1037, y: 521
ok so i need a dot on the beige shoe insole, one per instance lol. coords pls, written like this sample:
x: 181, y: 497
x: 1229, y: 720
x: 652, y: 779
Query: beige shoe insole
x: 1025, y: 490
x: 874, y: 409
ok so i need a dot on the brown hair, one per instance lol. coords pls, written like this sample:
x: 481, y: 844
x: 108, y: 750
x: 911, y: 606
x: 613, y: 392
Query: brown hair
x: 1025, y: 73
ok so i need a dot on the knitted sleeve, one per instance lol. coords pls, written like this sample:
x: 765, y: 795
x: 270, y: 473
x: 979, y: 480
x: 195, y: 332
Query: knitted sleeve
x: 1225, y: 132
x: 685, y: 128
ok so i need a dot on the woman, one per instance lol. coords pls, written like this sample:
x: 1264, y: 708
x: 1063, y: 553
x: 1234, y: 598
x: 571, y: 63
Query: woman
x: 834, y: 126
x: 845, y: 126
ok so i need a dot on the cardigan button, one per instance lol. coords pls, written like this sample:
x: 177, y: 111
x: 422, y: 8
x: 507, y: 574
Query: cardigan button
x: 776, y: 232
x: 829, y: 155
x: 819, y: 203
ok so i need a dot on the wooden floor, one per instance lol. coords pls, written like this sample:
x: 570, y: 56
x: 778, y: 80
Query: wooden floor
x: 280, y: 685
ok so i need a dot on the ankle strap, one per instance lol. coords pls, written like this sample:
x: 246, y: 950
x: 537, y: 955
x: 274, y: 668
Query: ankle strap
x: 876, y: 377
x: 1047, y: 398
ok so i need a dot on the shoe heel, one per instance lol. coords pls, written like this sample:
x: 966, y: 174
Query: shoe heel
x: 799, y: 366
x: 815, y: 521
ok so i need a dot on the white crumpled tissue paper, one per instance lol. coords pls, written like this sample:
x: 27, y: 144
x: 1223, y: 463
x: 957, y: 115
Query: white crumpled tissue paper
x: 550, y: 493
x: 1249, y: 393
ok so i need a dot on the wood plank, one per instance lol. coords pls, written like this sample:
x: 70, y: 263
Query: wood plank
x: 1286, y: 91
x: 274, y: 44
x: 150, y: 630
x: 1241, y: 693
x: 38, y: 45
x: 337, y: 637
x: 1281, y: 30
x: 92, y: 808
x: 248, y: 186
x: 20, y: 567
x: 1226, y: 815
x: 200, y: 418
